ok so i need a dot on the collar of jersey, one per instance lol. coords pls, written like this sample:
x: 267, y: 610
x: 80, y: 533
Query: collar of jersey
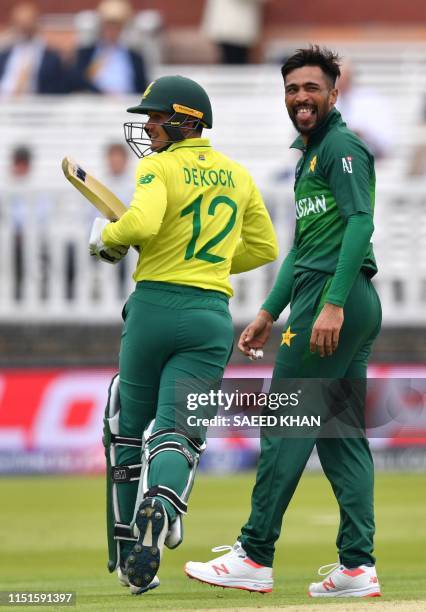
x: 201, y: 143
x: 333, y: 118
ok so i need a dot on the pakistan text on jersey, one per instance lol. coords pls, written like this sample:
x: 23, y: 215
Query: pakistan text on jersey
x: 206, y: 178
x: 308, y: 206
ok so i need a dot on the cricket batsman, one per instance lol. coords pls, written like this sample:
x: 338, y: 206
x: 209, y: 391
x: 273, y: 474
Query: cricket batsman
x: 196, y: 217
x: 335, y: 316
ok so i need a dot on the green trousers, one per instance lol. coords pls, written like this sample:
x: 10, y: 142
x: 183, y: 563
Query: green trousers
x: 347, y: 462
x: 172, y: 335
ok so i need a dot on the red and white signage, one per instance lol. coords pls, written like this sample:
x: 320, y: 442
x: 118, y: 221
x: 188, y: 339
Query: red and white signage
x: 52, y: 409
x: 51, y: 419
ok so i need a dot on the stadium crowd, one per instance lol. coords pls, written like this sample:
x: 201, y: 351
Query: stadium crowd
x: 106, y: 65
x: 108, y: 56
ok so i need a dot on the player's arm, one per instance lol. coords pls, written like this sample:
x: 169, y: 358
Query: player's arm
x: 353, y: 194
x: 257, y: 333
x: 143, y: 219
x: 352, y: 191
x: 280, y: 294
x: 356, y: 239
x: 258, y: 244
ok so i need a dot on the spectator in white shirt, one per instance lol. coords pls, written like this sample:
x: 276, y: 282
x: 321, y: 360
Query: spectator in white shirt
x: 366, y: 112
x: 234, y: 26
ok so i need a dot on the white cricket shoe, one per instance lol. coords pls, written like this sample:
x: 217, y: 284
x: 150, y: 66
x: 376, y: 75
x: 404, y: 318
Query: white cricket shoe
x: 233, y: 570
x: 340, y: 581
x: 124, y: 581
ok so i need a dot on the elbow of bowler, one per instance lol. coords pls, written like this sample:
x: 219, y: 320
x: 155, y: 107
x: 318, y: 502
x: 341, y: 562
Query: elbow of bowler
x: 366, y: 220
x: 369, y: 230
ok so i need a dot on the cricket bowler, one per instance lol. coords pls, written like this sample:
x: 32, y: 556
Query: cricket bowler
x: 335, y: 316
x: 196, y: 217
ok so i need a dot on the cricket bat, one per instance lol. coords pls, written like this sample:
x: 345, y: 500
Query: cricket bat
x: 98, y: 194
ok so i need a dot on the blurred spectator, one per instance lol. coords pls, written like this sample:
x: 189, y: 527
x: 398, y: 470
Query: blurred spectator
x: 29, y: 212
x: 108, y: 65
x: 119, y: 179
x: 26, y: 64
x: 118, y: 174
x: 417, y: 165
x: 234, y: 25
x: 19, y: 170
x: 21, y: 162
x: 367, y: 113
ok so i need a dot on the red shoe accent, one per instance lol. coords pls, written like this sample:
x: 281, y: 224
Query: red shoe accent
x: 353, y: 572
x: 373, y: 595
x: 225, y: 586
x: 252, y: 563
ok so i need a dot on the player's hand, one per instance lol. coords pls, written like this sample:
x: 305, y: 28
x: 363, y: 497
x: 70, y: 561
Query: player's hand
x: 98, y: 249
x: 326, y: 330
x: 256, y: 334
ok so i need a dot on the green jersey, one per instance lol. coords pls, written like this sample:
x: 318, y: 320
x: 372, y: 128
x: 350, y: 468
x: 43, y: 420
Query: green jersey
x: 335, y: 179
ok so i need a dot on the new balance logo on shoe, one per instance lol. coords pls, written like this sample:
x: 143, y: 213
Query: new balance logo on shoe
x: 220, y: 568
x: 233, y: 570
x: 328, y: 584
x: 341, y: 581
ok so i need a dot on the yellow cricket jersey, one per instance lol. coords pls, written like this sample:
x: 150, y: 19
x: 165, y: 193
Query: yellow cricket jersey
x: 197, y: 216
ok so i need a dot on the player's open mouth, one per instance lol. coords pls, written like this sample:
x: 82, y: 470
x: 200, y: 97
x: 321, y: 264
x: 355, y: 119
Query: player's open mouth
x: 303, y: 112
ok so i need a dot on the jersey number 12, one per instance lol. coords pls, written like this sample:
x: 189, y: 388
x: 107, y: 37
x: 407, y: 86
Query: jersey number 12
x: 195, y: 209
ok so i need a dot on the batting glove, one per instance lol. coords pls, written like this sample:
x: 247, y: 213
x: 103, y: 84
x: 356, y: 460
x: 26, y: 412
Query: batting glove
x: 98, y: 249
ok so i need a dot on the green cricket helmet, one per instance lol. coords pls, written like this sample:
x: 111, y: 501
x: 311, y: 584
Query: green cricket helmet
x: 186, y: 101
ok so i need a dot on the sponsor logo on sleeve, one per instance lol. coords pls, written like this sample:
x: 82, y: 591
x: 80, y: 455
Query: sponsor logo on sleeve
x: 144, y: 179
x: 347, y: 164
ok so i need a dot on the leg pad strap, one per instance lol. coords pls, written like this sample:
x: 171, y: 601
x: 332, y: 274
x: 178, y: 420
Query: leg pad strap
x: 123, y: 532
x: 169, y: 445
x: 170, y: 495
x: 197, y: 444
x: 125, y: 473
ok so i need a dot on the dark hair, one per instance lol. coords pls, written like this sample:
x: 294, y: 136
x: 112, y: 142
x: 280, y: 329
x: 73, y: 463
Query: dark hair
x: 21, y: 154
x: 328, y: 61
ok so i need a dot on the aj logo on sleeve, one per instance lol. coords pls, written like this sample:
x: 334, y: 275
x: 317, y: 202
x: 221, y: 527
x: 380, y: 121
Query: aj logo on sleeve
x: 347, y: 164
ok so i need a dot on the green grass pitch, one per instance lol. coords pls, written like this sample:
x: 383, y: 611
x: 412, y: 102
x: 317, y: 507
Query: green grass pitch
x: 52, y: 538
